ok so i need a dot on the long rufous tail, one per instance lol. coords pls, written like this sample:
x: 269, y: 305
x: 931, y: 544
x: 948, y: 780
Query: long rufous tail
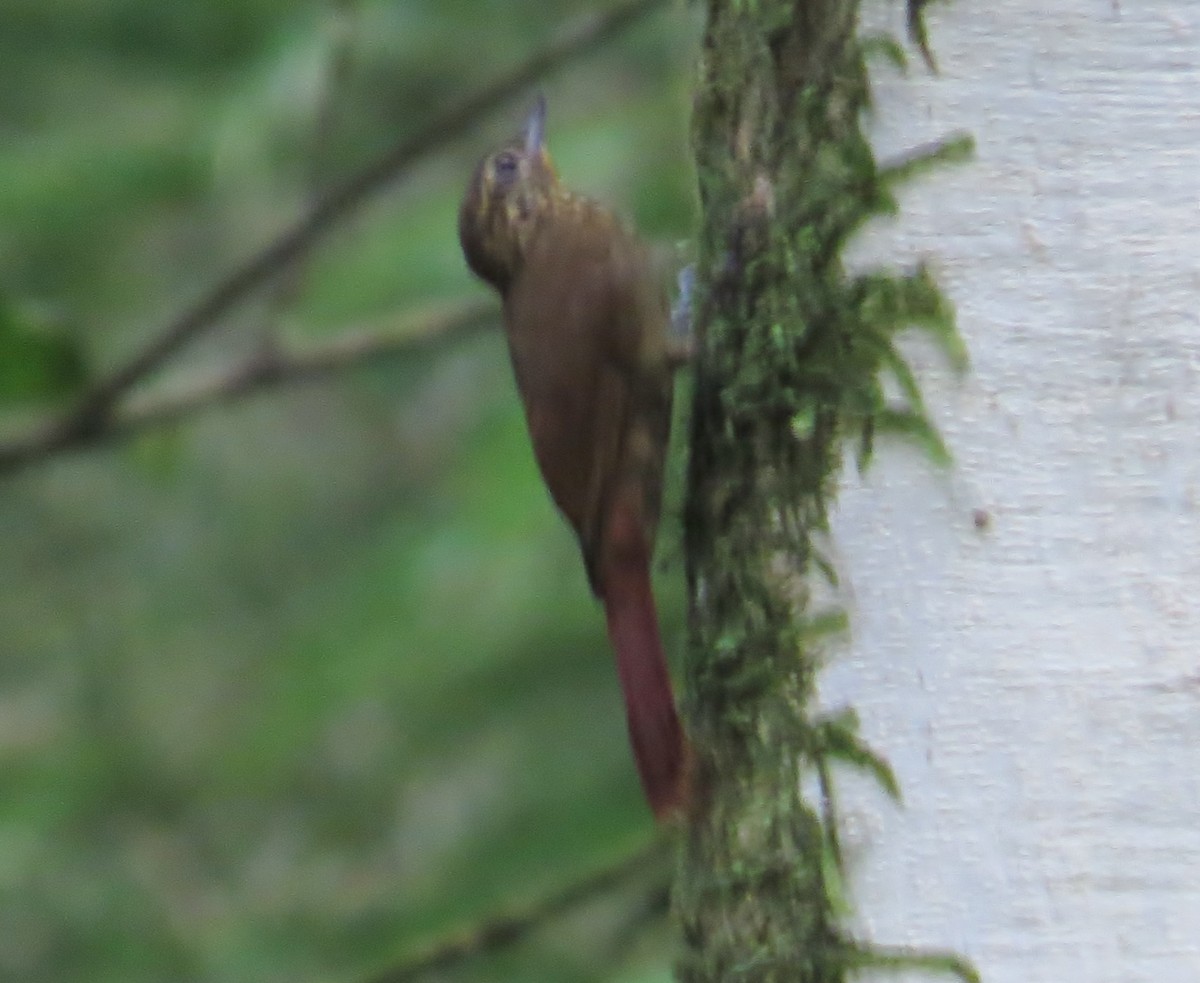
x: 659, y: 745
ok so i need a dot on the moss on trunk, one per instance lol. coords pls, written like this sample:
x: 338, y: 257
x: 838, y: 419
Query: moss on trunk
x: 792, y: 354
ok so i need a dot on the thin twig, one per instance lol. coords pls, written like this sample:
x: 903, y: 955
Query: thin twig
x: 277, y: 366
x: 504, y: 930
x: 87, y: 419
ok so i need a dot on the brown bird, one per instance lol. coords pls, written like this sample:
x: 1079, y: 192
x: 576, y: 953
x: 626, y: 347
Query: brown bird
x: 587, y: 325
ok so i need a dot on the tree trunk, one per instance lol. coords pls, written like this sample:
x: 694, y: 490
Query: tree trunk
x: 790, y: 353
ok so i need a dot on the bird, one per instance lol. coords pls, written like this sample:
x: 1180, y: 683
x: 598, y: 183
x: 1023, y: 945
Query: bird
x: 587, y: 322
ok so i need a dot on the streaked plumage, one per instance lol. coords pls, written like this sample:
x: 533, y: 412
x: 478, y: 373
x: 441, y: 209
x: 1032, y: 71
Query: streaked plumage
x: 587, y: 325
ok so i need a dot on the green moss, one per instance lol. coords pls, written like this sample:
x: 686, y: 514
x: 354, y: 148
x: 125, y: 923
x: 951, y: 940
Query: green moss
x: 795, y: 357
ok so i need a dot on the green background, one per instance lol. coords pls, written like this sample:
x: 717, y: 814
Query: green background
x: 303, y: 683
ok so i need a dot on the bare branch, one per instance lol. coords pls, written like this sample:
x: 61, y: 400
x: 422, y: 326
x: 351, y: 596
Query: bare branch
x: 90, y: 414
x: 267, y: 368
x: 504, y: 930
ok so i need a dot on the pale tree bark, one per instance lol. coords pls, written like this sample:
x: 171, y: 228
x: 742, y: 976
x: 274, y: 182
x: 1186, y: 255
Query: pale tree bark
x: 1025, y: 628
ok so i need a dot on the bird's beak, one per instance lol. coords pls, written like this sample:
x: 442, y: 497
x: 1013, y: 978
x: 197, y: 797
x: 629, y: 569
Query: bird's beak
x: 534, y: 130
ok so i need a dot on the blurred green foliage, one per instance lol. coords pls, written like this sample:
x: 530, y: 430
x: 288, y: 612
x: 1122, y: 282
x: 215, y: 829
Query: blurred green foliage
x: 314, y: 678
x: 37, y: 361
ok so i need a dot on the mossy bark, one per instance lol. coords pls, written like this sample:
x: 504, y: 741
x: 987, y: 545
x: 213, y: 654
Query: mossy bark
x: 791, y: 351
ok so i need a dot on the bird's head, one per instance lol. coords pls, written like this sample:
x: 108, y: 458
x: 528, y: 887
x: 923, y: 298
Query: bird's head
x: 509, y: 192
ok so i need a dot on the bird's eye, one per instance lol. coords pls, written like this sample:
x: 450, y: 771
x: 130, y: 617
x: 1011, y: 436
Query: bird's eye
x: 505, y: 167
